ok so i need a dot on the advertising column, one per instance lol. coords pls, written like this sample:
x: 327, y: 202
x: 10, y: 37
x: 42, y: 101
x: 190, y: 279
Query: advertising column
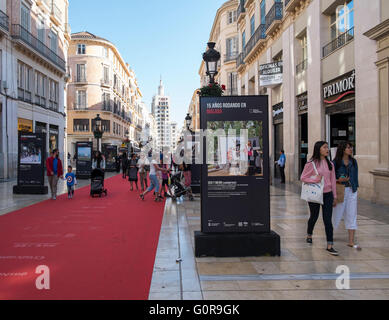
x: 31, y: 170
x: 84, y: 159
x: 235, y: 196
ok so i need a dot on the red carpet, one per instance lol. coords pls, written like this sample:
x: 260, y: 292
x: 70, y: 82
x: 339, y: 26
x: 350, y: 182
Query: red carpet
x: 101, y: 248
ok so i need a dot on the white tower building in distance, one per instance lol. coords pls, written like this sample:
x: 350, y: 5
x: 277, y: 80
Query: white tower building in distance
x: 160, y: 108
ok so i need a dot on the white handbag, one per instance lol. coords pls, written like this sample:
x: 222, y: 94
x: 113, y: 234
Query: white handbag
x: 313, y: 192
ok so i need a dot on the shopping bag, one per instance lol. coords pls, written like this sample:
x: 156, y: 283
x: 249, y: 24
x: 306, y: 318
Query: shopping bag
x: 340, y: 188
x: 313, y: 192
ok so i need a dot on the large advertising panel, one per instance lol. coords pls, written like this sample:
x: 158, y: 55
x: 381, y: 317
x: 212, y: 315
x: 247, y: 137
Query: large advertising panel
x: 110, y: 152
x: 84, y: 159
x: 235, y: 194
x: 31, y: 158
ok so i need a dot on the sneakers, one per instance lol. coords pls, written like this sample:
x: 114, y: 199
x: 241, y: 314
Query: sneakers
x: 332, y: 251
x: 309, y: 240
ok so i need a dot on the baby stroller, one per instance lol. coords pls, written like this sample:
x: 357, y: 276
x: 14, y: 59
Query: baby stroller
x: 177, y: 189
x: 97, y: 183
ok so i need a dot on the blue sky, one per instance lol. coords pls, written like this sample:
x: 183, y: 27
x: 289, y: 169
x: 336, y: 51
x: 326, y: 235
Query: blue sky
x: 156, y: 37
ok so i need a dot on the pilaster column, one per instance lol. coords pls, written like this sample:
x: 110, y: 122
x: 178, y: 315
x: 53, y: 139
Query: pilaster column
x: 316, y: 116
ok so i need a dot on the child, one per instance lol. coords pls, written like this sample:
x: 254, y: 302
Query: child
x: 71, y: 181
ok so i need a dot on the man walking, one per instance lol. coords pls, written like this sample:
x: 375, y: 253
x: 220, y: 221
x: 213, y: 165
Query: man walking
x: 281, y: 163
x: 54, y: 171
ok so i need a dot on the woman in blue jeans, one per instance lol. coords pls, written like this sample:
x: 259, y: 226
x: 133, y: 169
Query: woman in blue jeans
x: 154, y: 183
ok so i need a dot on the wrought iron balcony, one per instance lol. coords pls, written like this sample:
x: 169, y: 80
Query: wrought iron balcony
x: 274, y: 16
x: 302, y: 66
x: 80, y: 107
x: 80, y: 79
x: 339, y: 42
x: 106, y: 82
x: 241, y: 9
x: 4, y: 21
x: 32, y: 43
x: 230, y: 56
x: 259, y: 34
x: 240, y: 60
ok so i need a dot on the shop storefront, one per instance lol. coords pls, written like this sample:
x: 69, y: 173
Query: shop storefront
x: 339, y: 103
x: 302, y: 109
x: 278, y: 123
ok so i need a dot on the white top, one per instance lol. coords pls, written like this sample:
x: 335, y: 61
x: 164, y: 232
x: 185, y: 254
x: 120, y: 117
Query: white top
x: 152, y: 168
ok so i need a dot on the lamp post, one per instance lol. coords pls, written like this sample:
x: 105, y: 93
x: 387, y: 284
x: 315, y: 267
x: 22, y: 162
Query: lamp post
x: 98, y: 132
x: 211, y: 57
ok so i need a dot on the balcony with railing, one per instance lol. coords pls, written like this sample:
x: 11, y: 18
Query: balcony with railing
x: 290, y: 5
x: 274, y: 17
x: 257, y: 38
x: 4, y: 22
x: 339, y: 42
x: 25, y: 38
x: 302, y: 66
x: 241, y: 10
x: 240, y: 60
x: 80, y: 107
x: 231, y: 56
x: 80, y: 79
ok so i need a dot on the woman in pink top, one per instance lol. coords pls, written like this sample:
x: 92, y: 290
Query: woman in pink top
x: 326, y: 169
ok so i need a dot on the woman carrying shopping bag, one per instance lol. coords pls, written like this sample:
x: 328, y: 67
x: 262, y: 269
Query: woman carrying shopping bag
x: 321, y: 170
x: 346, y: 169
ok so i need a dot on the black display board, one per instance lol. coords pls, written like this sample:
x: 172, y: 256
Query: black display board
x: 235, y: 194
x: 110, y: 152
x: 31, y: 159
x: 84, y: 159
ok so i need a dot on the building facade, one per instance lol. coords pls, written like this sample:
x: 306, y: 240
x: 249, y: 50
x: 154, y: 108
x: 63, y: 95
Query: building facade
x: 101, y: 83
x: 160, y: 108
x: 34, y: 40
x: 319, y: 71
x: 380, y: 34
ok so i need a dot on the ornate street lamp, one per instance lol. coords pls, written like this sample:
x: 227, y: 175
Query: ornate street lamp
x: 98, y: 131
x: 211, y: 57
x: 188, y: 121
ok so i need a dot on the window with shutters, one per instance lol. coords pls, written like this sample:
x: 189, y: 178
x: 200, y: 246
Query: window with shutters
x: 81, y: 99
x: 232, y: 17
x: 24, y: 82
x: 232, y: 47
x: 252, y: 25
x: 106, y: 75
x: 53, y: 95
x: 81, y: 73
x: 25, y: 17
x: 40, y: 89
x: 243, y: 40
x: 53, y: 42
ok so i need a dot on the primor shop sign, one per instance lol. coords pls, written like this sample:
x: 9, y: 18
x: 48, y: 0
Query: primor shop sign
x: 335, y: 91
